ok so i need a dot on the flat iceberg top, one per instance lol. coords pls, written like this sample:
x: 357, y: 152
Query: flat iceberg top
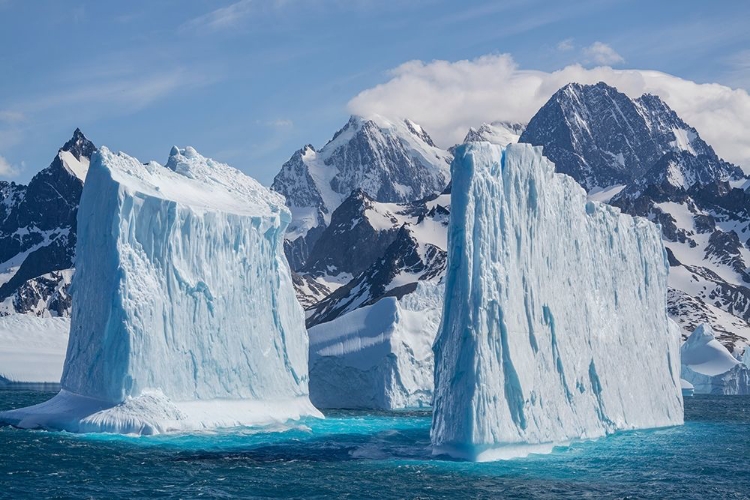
x: 193, y: 180
x: 702, y: 353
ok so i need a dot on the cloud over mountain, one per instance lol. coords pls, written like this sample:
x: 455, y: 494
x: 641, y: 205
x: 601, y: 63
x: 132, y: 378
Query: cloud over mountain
x: 449, y: 97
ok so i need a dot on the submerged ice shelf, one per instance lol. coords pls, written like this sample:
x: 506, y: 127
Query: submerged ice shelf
x: 184, y: 315
x: 554, y: 324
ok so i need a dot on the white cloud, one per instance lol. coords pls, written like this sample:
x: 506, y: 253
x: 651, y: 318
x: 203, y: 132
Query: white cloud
x: 449, y: 97
x: 222, y: 18
x: 127, y: 91
x: 12, y: 116
x: 6, y: 169
x: 565, y: 45
x: 601, y: 53
x: 281, y: 123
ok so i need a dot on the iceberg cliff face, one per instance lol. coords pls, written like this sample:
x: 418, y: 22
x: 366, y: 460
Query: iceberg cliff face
x: 554, y: 324
x: 184, y: 313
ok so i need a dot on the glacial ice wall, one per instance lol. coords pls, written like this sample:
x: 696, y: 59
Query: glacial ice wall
x: 554, y: 324
x: 184, y: 314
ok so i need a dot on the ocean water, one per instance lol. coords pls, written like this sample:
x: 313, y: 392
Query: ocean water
x: 377, y: 455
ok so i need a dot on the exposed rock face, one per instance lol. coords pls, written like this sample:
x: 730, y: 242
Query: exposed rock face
x: 390, y: 161
x: 38, y: 233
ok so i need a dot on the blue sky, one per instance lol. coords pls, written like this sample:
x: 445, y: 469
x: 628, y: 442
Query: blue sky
x: 249, y: 82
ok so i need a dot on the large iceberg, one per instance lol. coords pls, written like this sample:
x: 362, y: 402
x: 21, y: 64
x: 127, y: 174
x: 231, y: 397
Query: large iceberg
x: 710, y: 368
x: 378, y: 356
x: 554, y: 325
x: 184, y: 314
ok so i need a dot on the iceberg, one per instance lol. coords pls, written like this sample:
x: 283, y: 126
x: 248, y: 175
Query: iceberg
x: 184, y: 315
x: 32, y: 351
x: 378, y: 356
x: 554, y: 325
x: 687, y: 388
x: 710, y: 367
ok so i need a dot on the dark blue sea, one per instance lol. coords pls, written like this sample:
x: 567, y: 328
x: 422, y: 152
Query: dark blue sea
x: 377, y: 455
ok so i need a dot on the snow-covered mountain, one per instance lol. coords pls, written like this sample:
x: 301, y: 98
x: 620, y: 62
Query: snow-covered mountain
x: 417, y: 252
x: 638, y: 155
x: 391, y: 161
x: 38, y: 233
x: 601, y: 138
x: 499, y: 132
x: 402, y: 244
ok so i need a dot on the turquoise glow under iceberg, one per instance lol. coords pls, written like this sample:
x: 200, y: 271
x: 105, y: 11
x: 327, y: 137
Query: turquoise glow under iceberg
x: 383, y: 455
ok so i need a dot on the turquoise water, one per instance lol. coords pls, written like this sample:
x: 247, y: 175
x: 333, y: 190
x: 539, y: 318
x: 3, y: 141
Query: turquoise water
x: 377, y: 455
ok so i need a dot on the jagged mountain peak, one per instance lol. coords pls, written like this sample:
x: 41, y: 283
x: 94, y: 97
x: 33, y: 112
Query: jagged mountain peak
x: 79, y: 146
x: 392, y: 160
x: 601, y: 137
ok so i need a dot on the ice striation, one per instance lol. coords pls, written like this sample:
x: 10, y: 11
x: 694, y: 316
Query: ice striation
x: 378, y: 356
x: 184, y: 314
x: 710, y: 368
x: 548, y: 297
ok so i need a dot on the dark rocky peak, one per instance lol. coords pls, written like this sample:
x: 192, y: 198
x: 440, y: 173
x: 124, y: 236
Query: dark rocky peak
x: 601, y: 137
x: 351, y: 242
x: 79, y: 145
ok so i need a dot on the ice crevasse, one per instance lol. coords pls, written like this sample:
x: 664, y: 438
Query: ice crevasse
x: 554, y: 324
x: 184, y: 314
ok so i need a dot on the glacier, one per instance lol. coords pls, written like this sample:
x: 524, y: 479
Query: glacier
x: 554, y: 324
x: 32, y: 351
x: 379, y: 356
x: 184, y: 315
x: 710, y: 368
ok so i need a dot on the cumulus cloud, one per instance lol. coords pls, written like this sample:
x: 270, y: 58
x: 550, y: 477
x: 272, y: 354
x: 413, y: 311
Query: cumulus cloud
x: 601, y: 53
x: 449, y: 97
x: 6, y: 169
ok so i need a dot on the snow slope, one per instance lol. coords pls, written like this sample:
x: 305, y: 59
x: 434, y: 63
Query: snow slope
x: 538, y: 320
x: 709, y: 366
x: 500, y: 133
x: 184, y: 315
x: 32, y: 350
x: 378, y: 356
